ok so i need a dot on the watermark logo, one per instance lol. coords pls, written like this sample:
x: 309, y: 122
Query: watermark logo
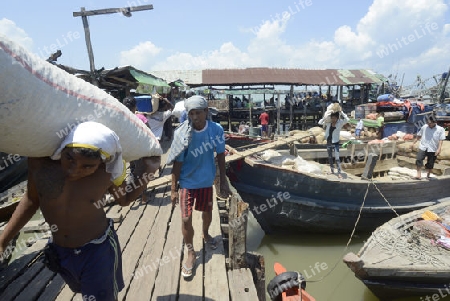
x: 437, y: 296
x: 297, y: 8
x: 84, y: 298
x: 175, y: 254
x: 9, y: 160
x: 270, y: 203
x: 122, y: 191
x: 417, y: 34
x: 61, y: 42
x: 208, y: 146
x: 98, y: 113
x: 24, y: 243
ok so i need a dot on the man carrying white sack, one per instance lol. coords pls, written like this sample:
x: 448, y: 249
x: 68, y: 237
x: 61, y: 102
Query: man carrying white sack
x: 67, y: 188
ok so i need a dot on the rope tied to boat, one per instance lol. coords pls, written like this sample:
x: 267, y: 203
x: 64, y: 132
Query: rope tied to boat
x: 407, y: 245
x: 350, y: 238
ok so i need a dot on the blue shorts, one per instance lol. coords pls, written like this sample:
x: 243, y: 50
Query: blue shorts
x: 94, y: 269
x: 264, y: 127
x: 357, y: 132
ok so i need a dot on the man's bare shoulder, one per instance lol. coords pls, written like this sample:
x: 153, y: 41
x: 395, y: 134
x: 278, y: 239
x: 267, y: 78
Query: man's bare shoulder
x: 38, y: 162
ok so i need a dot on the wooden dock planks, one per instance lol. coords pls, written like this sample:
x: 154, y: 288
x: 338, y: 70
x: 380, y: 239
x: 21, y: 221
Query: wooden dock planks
x: 151, y: 241
x: 241, y: 285
x: 144, y: 275
x: 167, y: 280
x: 138, y: 242
x: 216, y: 284
x: 192, y: 289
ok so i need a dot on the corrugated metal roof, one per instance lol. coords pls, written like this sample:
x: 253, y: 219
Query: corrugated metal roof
x: 279, y: 76
x: 189, y: 77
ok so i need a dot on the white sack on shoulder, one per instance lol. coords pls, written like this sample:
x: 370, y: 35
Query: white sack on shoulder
x: 40, y: 103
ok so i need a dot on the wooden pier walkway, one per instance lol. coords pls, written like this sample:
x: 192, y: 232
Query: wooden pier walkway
x: 152, y: 253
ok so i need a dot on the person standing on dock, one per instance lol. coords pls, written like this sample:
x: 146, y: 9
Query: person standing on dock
x: 156, y: 120
x: 264, y: 118
x: 69, y: 188
x: 194, y: 171
x: 431, y: 138
x: 332, y: 134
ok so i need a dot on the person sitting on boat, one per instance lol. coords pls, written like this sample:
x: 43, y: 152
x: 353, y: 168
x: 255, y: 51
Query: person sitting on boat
x: 333, y: 128
x: 431, y: 138
x: 69, y: 189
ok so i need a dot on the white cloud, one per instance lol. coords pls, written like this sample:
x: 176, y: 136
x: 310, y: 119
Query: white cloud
x: 140, y: 55
x: 413, y: 32
x: 10, y: 30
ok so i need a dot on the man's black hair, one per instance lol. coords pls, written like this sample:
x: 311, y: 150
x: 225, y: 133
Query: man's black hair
x: 431, y: 118
x: 130, y: 102
x: 87, y: 152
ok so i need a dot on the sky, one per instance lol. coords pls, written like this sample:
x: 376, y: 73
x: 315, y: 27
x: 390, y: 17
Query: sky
x: 404, y: 39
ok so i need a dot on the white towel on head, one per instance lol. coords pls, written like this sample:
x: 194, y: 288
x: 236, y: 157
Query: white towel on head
x: 96, y: 136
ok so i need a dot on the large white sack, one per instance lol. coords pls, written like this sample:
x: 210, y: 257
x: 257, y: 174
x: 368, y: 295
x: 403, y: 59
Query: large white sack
x: 40, y: 103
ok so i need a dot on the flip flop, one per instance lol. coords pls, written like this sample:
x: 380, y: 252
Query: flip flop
x: 211, y: 242
x: 186, y: 272
x: 416, y: 178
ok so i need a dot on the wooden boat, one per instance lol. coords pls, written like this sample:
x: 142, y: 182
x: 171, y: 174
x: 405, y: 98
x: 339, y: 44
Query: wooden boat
x: 404, y: 257
x: 284, y: 199
x: 13, y: 169
x: 9, y: 200
x: 286, y: 286
x: 240, y: 141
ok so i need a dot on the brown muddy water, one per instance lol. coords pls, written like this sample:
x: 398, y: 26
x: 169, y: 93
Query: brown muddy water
x: 319, y: 259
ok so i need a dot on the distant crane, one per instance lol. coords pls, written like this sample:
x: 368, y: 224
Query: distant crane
x: 126, y: 11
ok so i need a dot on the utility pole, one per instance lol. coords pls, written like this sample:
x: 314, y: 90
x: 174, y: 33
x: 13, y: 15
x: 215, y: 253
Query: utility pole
x: 126, y: 11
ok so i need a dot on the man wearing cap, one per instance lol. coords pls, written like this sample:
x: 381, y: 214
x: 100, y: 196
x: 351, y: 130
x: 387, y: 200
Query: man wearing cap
x: 69, y: 188
x: 194, y: 171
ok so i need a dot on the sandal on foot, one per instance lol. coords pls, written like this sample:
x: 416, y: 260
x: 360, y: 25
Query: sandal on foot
x: 211, y: 242
x: 187, y: 272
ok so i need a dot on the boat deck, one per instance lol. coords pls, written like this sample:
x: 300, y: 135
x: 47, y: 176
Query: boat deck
x: 152, y: 253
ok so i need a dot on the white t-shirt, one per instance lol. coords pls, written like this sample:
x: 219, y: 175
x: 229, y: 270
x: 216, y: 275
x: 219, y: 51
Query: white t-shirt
x: 156, y: 122
x: 360, y: 125
x: 430, y: 137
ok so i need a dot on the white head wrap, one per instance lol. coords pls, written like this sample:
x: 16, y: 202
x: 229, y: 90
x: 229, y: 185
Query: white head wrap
x: 183, y: 134
x: 195, y: 102
x: 96, y: 136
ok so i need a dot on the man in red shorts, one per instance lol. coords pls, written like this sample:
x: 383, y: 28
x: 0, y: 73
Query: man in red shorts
x: 194, y: 171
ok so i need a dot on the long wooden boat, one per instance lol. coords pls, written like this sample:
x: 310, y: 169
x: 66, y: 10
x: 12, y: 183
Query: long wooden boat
x: 13, y: 169
x: 9, y: 200
x: 405, y: 257
x: 289, y: 200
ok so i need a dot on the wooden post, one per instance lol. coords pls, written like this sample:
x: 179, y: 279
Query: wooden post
x: 278, y: 114
x: 370, y: 165
x: 291, y: 107
x: 126, y: 11
x: 250, y: 109
x: 87, y: 36
x: 237, y: 219
x: 230, y: 110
